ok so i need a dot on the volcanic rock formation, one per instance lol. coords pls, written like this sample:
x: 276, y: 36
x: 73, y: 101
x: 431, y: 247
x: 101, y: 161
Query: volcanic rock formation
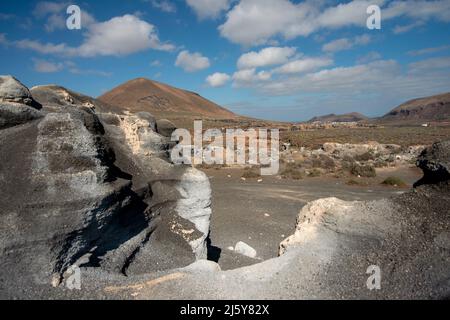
x: 406, y: 236
x: 82, y: 187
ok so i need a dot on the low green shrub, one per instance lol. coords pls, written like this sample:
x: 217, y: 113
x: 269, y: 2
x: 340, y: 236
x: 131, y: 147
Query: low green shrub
x: 363, y: 171
x: 365, y: 156
x: 291, y: 172
x: 251, y: 173
x: 394, y: 181
x: 315, y: 173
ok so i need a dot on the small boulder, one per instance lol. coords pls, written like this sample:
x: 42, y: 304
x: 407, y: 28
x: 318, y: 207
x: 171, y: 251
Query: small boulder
x: 245, y: 250
x: 149, y: 117
x: 435, y: 163
x: 13, y: 114
x: 203, y: 266
x: 165, y: 127
x: 12, y: 90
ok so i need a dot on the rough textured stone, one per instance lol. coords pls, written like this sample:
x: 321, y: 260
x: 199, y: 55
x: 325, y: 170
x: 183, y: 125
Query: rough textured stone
x: 149, y: 117
x: 95, y: 190
x: 12, y: 114
x: 76, y: 192
x: 435, y: 163
x: 405, y: 236
x: 245, y: 249
x: 11, y: 90
x: 203, y: 266
x: 165, y: 127
x: 180, y: 196
x: 60, y: 195
x: 54, y: 97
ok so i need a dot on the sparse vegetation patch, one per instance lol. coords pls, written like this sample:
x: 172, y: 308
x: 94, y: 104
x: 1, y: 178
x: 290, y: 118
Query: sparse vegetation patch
x: 366, y: 171
x: 394, y: 181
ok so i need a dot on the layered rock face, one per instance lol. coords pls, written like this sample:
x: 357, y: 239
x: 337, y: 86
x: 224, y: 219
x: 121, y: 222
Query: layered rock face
x: 396, y: 248
x: 17, y: 106
x: 81, y: 187
x: 435, y: 163
x: 407, y: 237
x: 11, y: 90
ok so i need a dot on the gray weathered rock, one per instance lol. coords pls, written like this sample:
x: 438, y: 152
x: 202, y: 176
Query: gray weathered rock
x: 149, y: 117
x: 60, y: 196
x: 12, y: 114
x: 245, y: 249
x: 181, y: 196
x: 435, y: 163
x: 203, y: 266
x: 165, y: 127
x: 92, y: 190
x: 403, y: 235
x: 11, y: 90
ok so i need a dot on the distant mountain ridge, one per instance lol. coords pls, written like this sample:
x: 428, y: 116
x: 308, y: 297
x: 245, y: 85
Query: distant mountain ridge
x: 432, y: 108
x: 347, y: 117
x: 163, y: 101
x: 416, y: 111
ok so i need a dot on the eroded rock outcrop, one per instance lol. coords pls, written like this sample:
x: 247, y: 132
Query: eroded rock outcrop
x: 59, y: 195
x: 405, y: 236
x: 165, y: 127
x: 435, y: 163
x: 17, y: 106
x: 12, y: 90
x: 85, y: 188
x: 180, y: 196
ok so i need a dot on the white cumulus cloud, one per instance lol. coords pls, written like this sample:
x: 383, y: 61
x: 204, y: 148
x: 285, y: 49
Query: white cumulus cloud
x: 208, y: 9
x: 265, y: 57
x: 217, y: 79
x: 118, y: 36
x: 256, y: 22
x: 192, y: 62
x: 249, y: 77
x: 121, y: 36
x: 381, y: 78
x: 304, y: 65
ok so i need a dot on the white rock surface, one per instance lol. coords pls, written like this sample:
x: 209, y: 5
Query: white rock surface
x: 203, y: 266
x: 245, y: 249
x: 12, y: 90
x: 195, y: 206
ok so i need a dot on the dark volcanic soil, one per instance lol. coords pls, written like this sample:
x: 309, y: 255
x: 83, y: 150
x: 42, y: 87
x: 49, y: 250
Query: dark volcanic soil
x: 241, y: 207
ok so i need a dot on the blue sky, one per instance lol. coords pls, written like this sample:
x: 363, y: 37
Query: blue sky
x: 270, y: 59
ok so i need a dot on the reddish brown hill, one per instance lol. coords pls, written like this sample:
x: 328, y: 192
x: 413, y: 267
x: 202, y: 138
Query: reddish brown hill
x: 163, y: 101
x: 434, y: 108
